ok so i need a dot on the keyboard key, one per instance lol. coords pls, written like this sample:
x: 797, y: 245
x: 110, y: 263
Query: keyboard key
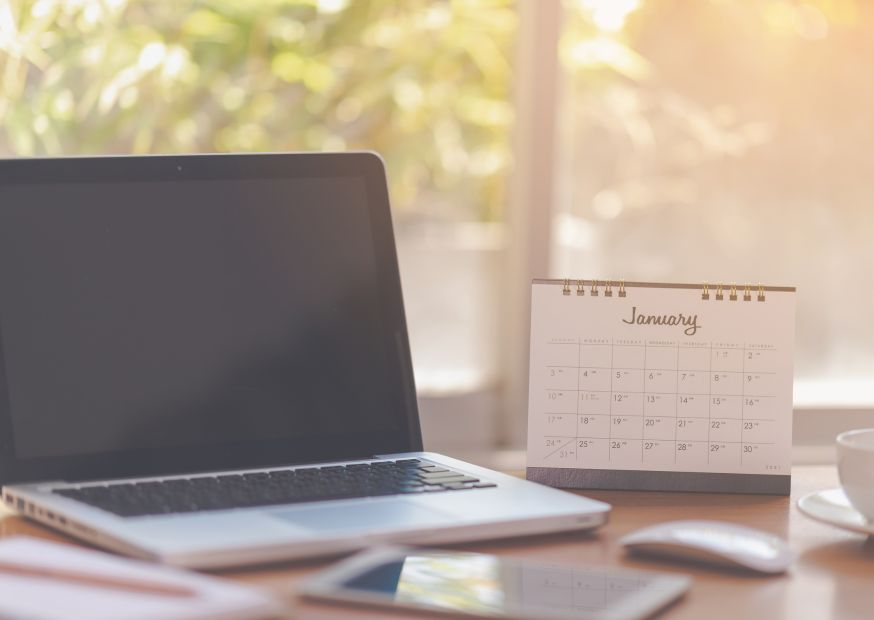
x: 448, y: 477
x: 260, y: 475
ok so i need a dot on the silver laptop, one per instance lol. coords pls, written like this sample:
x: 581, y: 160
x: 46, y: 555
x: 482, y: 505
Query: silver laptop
x: 205, y: 363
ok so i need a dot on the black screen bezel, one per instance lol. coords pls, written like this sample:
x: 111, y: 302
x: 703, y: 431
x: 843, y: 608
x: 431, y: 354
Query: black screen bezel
x: 250, y: 454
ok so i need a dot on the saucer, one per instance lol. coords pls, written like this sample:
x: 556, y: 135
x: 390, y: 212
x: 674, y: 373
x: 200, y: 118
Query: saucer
x: 833, y: 507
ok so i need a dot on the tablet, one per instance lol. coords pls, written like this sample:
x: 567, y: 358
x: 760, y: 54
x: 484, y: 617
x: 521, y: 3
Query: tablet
x: 487, y: 586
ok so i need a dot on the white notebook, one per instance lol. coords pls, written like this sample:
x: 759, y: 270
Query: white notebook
x: 41, y: 598
x: 661, y: 386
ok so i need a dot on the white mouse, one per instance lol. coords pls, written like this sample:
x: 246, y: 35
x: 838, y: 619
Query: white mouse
x: 714, y: 542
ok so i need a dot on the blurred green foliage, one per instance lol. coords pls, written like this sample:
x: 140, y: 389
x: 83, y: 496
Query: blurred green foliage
x: 426, y: 83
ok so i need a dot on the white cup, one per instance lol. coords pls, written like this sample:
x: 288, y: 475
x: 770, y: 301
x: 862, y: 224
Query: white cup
x: 856, y: 469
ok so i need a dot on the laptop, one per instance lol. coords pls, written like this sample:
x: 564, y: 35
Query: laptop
x: 205, y: 363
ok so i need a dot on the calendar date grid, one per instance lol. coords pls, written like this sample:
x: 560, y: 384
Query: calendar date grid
x: 656, y: 402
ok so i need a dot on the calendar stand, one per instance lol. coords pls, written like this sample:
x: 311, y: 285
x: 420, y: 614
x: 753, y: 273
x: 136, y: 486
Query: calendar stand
x: 668, y: 387
x: 659, y: 481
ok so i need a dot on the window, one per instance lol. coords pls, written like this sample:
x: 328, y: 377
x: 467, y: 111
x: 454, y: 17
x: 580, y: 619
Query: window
x: 728, y: 142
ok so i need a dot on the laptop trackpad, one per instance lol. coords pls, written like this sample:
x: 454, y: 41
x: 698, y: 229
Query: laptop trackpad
x: 396, y: 514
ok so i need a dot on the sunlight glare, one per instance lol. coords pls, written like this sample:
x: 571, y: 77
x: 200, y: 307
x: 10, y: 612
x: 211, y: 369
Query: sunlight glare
x: 331, y: 6
x: 152, y: 55
x: 609, y: 15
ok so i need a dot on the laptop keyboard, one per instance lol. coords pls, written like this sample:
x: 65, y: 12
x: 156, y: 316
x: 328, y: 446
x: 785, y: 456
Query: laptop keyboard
x: 282, y: 486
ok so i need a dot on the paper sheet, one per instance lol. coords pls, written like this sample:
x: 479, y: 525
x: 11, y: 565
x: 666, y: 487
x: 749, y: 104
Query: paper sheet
x: 49, y: 599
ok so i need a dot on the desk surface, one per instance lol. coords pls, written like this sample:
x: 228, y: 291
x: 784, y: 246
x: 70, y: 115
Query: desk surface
x: 834, y: 577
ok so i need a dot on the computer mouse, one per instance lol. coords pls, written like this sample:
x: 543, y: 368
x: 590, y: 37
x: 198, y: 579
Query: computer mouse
x: 713, y: 542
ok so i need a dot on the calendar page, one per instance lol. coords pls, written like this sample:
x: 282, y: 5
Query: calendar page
x: 661, y: 386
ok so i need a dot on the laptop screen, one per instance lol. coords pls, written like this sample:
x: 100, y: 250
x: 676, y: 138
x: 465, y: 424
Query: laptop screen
x: 138, y: 316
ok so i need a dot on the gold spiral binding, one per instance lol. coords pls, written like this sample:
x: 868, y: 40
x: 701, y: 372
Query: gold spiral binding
x: 733, y: 292
x: 608, y: 285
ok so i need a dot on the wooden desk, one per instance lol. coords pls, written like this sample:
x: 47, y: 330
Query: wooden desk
x: 834, y: 577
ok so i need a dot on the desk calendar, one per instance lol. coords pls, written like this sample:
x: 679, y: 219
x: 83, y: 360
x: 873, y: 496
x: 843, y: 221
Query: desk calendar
x: 661, y: 386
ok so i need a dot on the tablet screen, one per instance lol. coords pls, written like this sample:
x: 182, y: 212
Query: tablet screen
x: 486, y: 585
